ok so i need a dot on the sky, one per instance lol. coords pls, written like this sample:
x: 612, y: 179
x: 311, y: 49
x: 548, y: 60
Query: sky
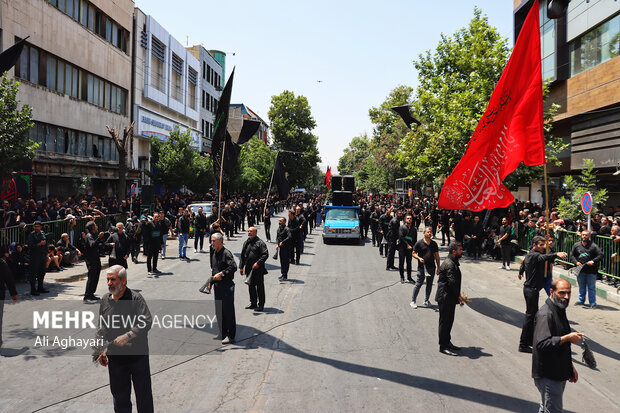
x: 358, y: 50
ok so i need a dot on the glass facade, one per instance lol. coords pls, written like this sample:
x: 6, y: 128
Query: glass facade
x: 55, y: 139
x: 548, y: 43
x: 595, y: 47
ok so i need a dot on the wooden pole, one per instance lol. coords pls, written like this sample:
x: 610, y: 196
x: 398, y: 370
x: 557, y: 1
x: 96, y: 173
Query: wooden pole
x: 219, y: 201
x: 271, y: 182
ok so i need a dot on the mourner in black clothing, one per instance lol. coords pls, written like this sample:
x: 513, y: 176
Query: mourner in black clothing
x: 37, y: 245
x: 293, y: 226
x: 552, y: 363
x: 448, y: 296
x: 384, y: 230
x: 200, y: 229
x: 267, y: 220
x: 223, y: 269
x: 153, y: 240
x: 533, y: 265
x: 407, y: 237
x: 505, y: 235
x: 392, y: 240
x: 6, y: 283
x: 284, y: 241
x: 127, y: 355
x: 426, y: 251
x: 254, y: 253
x: 120, y: 246
x: 302, y: 232
x: 91, y: 255
x: 374, y: 227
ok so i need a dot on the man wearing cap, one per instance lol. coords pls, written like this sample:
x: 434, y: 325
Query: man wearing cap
x: 37, y: 245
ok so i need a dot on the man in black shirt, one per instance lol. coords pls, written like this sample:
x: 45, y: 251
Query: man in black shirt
x: 183, y: 232
x: 223, y: 269
x: 200, y: 229
x: 374, y: 226
x: 293, y: 226
x: 384, y: 229
x: 254, y: 253
x: 153, y: 241
x: 120, y: 246
x: 6, y: 283
x: 93, y: 262
x: 448, y: 296
x: 552, y: 363
x: 533, y: 265
x: 284, y: 241
x: 505, y: 235
x: 392, y: 239
x: 127, y: 355
x: 407, y: 236
x: 426, y: 251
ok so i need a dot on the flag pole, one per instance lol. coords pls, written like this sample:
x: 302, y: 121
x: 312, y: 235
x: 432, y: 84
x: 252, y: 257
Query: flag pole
x: 219, y: 201
x: 547, y: 246
x: 271, y: 182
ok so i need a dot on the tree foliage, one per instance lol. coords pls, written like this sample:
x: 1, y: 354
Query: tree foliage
x: 15, y: 123
x: 291, y: 128
x: 255, y: 165
x: 569, y: 206
x: 455, y: 84
x: 176, y: 164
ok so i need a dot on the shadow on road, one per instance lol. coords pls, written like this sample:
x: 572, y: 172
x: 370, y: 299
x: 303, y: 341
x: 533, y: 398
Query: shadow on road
x: 497, y: 311
x: 484, y: 397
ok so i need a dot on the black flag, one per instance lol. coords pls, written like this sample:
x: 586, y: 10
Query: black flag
x: 280, y: 175
x: 249, y: 129
x: 9, y: 57
x: 221, y: 123
x: 231, y: 154
x: 404, y: 113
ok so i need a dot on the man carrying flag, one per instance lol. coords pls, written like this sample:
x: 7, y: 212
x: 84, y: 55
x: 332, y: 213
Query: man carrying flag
x: 509, y: 132
x: 328, y: 176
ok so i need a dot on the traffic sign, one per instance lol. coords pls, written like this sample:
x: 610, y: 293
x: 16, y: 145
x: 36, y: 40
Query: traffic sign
x: 410, y: 192
x: 133, y: 189
x: 586, y: 203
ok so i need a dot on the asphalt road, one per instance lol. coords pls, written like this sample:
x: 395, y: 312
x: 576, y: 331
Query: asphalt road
x: 340, y: 336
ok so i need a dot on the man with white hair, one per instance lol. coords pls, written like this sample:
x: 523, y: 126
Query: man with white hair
x: 127, y: 355
x: 223, y: 269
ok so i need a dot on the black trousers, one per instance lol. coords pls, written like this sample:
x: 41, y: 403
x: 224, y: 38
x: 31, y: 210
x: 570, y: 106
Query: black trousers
x: 285, y: 257
x: 434, y: 227
x: 365, y: 228
x: 531, y: 308
x: 122, y: 374
x: 445, y: 232
x: 446, y: 320
x: 404, y: 254
x: 382, y: 248
x: 134, y: 249
x: 298, y: 241
x: 225, y: 310
x: 506, y: 254
x: 268, y: 230
x: 420, y: 280
x: 117, y: 261
x: 94, y: 269
x: 151, y: 258
x: 391, y: 251
x: 375, y: 236
x: 257, y: 290
x: 199, y: 235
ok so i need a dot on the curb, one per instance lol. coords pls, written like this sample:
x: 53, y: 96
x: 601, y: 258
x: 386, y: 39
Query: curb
x: 605, y: 292
x: 78, y: 277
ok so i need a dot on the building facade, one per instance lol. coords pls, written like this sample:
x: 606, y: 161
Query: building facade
x: 581, y: 60
x: 75, y: 73
x: 166, y: 90
x: 211, y: 78
x: 240, y: 111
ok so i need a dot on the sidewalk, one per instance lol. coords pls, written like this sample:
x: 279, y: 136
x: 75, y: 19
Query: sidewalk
x: 603, y: 290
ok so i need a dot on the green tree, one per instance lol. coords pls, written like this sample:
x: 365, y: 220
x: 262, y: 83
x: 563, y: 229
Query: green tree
x: 15, y: 123
x: 203, y: 179
x: 173, y: 161
x: 256, y: 162
x: 455, y: 84
x: 355, y: 156
x: 291, y: 127
x: 569, y: 206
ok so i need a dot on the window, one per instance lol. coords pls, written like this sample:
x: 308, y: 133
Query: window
x: 84, y: 13
x: 51, y: 72
x: 158, y: 53
x: 204, y: 69
x: 91, y: 17
x: 75, y: 82
x: 208, y: 73
x: 595, y: 47
x: 177, y: 76
x: 60, y: 83
x: 192, y: 76
x: 68, y: 79
x: 81, y: 147
x: 22, y: 70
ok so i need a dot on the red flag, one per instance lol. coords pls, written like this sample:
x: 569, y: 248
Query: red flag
x: 510, y: 131
x: 328, y: 176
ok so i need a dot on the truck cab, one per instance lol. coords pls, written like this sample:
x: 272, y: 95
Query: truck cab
x: 341, y: 222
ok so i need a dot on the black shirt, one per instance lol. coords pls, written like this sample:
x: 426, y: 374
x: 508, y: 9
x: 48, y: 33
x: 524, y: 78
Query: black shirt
x: 533, y: 266
x: 427, y: 253
x: 223, y: 262
x: 132, y: 309
x: 505, y: 229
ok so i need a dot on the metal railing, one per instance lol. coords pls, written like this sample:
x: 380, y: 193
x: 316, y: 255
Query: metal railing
x: 54, y: 229
x: 564, y: 240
